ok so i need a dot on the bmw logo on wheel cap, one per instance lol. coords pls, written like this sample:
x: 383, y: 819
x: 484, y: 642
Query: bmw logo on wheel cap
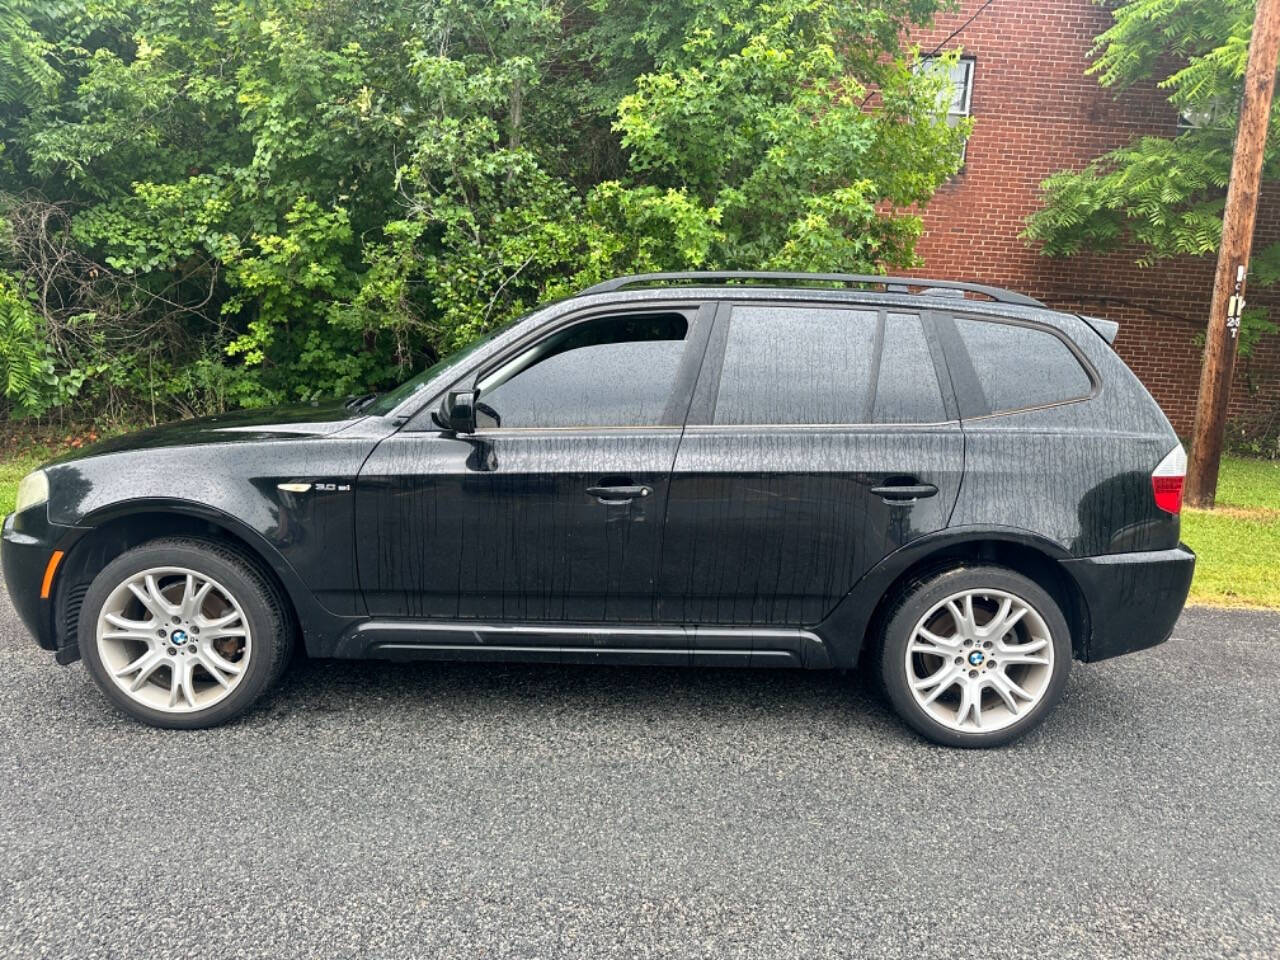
x: 179, y: 637
x: 975, y: 658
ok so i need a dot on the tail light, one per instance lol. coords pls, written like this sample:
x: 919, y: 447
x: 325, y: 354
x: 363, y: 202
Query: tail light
x: 1166, y: 480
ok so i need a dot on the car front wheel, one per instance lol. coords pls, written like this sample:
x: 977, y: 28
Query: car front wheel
x: 975, y: 656
x: 183, y: 633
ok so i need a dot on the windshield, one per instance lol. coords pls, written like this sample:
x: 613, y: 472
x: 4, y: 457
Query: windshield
x: 393, y: 398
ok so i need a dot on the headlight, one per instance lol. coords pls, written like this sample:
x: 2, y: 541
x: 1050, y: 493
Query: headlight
x: 32, y: 491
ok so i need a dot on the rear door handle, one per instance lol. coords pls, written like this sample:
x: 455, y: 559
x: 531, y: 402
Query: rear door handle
x: 904, y: 492
x: 623, y: 494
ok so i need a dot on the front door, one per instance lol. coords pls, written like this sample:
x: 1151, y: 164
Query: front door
x: 820, y: 439
x: 552, y: 511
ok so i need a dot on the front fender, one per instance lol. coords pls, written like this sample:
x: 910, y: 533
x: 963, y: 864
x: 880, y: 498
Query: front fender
x: 101, y: 534
x: 237, y: 486
x: 257, y: 544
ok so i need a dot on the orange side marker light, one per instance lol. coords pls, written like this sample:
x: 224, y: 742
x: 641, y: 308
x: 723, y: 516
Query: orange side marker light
x: 48, y: 574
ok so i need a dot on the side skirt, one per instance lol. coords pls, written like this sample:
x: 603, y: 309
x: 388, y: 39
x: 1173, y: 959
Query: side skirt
x: 585, y: 643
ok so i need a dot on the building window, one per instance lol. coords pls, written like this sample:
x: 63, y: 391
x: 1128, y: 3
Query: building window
x: 959, y: 90
x: 1214, y: 113
x: 960, y: 75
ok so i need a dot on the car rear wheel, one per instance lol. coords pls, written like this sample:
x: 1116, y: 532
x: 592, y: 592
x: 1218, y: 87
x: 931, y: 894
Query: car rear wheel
x: 975, y: 656
x: 183, y: 633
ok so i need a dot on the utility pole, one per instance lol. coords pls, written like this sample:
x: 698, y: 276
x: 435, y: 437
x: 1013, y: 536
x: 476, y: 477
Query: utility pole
x: 1233, y: 256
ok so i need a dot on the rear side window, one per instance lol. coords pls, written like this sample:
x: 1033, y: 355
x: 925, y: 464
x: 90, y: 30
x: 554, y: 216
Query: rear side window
x: 826, y: 365
x: 796, y: 365
x: 1019, y: 367
x: 907, y: 388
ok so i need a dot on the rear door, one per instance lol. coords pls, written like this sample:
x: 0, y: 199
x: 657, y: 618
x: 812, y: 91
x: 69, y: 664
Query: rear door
x: 820, y: 438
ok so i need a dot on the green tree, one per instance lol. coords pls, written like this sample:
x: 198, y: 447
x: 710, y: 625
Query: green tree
x: 251, y: 201
x: 1164, y: 196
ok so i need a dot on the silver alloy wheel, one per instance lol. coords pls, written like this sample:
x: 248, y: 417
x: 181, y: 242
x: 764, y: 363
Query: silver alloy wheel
x: 174, y: 639
x: 979, y: 660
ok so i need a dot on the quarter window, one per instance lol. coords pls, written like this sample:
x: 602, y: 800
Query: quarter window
x: 611, y: 372
x: 800, y: 365
x: 1019, y: 367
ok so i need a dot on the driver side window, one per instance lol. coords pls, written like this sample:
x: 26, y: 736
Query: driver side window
x: 610, y: 372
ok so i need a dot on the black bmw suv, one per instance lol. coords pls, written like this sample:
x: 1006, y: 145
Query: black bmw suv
x: 945, y: 483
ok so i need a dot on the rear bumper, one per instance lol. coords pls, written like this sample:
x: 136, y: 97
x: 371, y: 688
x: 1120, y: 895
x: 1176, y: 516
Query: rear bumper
x: 1134, y: 599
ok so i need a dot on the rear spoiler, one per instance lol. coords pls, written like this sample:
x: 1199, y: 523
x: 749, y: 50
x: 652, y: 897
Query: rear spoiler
x: 1106, y: 329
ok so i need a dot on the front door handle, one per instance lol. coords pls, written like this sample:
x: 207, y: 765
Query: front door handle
x: 621, y: 494
x: 904, y: 492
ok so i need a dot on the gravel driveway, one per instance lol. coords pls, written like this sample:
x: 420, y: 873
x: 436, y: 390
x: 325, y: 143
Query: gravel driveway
x: 379, y: 810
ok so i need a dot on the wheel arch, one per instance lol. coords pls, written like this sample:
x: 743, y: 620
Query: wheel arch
x: 112, y: 530
x: 852, y: 629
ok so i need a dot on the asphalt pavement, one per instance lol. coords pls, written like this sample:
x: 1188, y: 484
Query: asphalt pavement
x: 447, y: 810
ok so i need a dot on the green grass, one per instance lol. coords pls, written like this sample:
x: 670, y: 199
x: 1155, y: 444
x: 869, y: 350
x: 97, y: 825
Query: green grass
x: 1237, y: 544
x: 1249, y: 483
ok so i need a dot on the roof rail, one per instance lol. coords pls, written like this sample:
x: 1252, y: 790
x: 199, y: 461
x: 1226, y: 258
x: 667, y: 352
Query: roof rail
x: 891, y: 284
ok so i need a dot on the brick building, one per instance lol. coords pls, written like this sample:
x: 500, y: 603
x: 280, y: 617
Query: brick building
x: 1036, y: 112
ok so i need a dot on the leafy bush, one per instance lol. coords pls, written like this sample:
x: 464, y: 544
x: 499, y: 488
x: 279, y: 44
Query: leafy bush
x: 1258, y: 436
x: 25, y: 370
x: 1165, y: 196
x: 238, y: 203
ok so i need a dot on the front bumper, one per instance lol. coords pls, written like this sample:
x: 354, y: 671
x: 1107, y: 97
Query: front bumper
x: 1134, y: 599
x: 27, y: 543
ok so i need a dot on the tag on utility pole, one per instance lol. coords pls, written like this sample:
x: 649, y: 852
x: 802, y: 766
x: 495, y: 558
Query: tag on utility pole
x: 1235, y: 305
x: 1235, y: 308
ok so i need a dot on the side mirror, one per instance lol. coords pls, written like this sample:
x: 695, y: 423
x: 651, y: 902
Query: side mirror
x: 459, y: 411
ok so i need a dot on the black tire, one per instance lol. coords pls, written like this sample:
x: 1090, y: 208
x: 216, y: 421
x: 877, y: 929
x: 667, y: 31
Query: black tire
x: 921, y: 596
x: 261, y: 601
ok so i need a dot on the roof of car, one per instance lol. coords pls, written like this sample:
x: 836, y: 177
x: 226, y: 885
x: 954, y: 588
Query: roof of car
x: 811, y: 282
